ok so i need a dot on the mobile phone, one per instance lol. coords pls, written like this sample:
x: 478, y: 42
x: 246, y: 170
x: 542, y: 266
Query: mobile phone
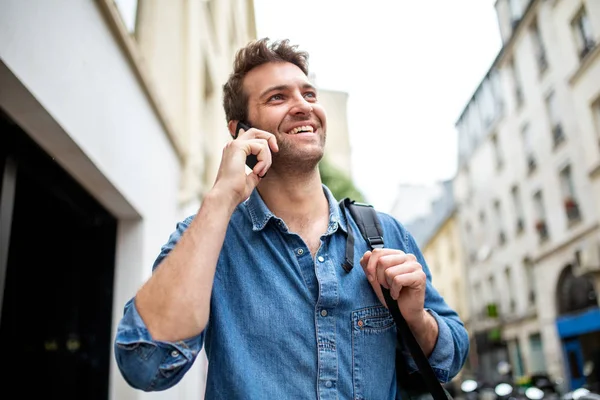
x: 251, y: 159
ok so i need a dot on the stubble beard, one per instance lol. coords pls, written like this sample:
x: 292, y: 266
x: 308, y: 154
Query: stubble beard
x: 292, y: 159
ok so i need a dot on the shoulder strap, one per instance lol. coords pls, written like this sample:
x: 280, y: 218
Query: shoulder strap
x: 367, y: 220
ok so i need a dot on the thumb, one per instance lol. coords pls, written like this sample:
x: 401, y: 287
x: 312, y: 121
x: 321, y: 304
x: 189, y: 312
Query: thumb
x: 364, y: 262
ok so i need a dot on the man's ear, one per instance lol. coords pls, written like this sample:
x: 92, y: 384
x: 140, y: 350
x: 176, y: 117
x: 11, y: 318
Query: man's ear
x: 232, y: 125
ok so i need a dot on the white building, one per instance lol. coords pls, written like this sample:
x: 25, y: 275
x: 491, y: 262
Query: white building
x: 527, y: 190
x: 111, y: 129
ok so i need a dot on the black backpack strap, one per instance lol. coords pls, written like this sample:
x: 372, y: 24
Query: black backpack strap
x: 367, y: 220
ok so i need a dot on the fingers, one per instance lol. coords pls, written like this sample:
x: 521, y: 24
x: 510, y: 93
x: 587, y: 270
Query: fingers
x: 260, y: 148
x: 260, y: 143
x: 408, y: 277
x: 393, y: 269
x: 254, y: 133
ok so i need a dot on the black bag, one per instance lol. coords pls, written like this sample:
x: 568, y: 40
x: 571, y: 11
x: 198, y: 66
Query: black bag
x: 419, y: 385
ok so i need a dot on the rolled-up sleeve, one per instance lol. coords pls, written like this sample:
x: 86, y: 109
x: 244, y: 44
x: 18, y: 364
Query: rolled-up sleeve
x: 452, y: 347
x: 148, y: 364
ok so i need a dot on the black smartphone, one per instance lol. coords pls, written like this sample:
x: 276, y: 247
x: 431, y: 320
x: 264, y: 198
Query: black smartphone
x: 251, y: 160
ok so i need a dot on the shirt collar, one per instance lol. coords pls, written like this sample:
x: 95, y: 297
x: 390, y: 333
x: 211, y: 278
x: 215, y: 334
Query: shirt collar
x: 260, y: 213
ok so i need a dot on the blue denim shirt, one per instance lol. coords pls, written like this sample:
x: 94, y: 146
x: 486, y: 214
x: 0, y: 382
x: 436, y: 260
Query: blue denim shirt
x: 285, y: 325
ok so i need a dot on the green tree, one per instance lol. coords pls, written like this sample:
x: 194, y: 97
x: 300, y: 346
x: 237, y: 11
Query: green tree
x: 338, y: 182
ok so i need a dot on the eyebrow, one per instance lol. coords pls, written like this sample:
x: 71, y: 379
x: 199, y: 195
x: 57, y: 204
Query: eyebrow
x: 284, y: 88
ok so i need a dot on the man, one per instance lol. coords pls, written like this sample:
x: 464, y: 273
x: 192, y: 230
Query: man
x: 256, y: 275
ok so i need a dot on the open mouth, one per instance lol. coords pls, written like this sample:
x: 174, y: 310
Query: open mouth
x: 301, y: 129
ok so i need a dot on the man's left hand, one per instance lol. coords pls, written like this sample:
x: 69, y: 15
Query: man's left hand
x: 402, y: 274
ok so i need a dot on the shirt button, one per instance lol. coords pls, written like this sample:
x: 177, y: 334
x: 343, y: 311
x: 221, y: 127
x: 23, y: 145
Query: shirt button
x: 323, y: 313
x: 328, y: 384
x: 321, y: 259
x: 300, y: 252
x: 174, y: 353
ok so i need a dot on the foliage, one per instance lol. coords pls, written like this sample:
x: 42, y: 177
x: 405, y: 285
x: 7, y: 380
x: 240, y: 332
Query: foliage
x: 338, y: 182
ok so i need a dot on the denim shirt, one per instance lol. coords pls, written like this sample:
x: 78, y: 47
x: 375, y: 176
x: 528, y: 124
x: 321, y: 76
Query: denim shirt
x: 285, y: 325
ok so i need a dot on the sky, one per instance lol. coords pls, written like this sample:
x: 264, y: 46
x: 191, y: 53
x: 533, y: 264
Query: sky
x: 409, y: 68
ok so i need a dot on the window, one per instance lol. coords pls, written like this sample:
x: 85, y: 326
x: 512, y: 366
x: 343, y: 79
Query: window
x: 537, y: 362
x: 558, y: 135
x: 530, y: 277
x: 518, y: 207
x: 497, y: 152
x: 569, y: 198
x: 539, y: 48
x: 509, y: 285
x: 492, y: 306
x: 517, y: 85
x: 582, y: 30
x: 596, y: 112
x: 482, y: 227
x: 515, y: 357
x: 498, y: 214
x: 540, y: 222
x: 528, y: 147
x: 128, y: 9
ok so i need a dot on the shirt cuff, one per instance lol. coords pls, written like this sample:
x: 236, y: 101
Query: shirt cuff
x: 443, y: 353
x: 132, y: 330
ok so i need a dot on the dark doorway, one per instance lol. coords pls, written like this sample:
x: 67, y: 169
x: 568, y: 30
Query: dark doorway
x: 56, y: 315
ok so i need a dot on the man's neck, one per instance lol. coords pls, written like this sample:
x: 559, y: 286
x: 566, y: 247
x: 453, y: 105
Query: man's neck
x: 293, y: 197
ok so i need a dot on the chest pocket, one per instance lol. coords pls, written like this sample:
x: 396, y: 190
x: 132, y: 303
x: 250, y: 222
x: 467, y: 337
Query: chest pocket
x: 373, y: 353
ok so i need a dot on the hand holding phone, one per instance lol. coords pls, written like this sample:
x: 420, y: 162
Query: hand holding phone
x: 251, y: 159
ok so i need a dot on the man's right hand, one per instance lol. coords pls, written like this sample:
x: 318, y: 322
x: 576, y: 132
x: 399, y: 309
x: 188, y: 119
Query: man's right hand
x: 232, y: 177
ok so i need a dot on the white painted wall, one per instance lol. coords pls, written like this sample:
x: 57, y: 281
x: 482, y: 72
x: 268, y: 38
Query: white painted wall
x: 66, y: 81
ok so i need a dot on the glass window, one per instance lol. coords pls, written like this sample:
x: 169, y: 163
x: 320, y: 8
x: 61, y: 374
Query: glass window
x: 530, y: 284
x: 536, y: 352
x: 552, y: 109
x: 509, y: 286
x: 518, y: 87
x: 517, y: 202
x: 497, y: 151
x: 582, y: 30
x: 516, y: 358
x: 526, y: 136
x: 566, y: 183
x: 539, y: 48
x: 538, y: 202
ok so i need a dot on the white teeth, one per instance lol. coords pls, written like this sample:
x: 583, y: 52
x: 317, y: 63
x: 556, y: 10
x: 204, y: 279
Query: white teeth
x: 306, y: 128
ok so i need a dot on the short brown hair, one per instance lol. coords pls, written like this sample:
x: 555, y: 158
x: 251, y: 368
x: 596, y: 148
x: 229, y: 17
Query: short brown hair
x: 255, y: 53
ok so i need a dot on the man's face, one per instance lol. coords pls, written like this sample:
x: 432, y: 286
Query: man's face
x: 281, y: 100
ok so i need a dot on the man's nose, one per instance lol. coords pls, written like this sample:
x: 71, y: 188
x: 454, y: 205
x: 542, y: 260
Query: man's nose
x: 301, y: 106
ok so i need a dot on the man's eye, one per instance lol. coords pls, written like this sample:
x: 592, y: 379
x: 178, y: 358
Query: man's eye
x: 276, y: 97
x: 311, y: 95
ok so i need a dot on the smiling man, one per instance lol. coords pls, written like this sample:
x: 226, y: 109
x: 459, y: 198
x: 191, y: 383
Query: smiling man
x: 256, y: 274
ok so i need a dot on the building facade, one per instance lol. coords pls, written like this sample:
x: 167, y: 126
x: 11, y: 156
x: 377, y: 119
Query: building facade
x: 111, y: 132
x: 527, y: 192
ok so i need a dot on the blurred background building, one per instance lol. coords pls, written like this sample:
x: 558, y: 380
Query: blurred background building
x: 527, y: 193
